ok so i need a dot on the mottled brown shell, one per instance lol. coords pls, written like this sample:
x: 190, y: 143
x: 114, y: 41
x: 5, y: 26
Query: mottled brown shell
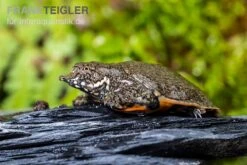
x: 170, y: 85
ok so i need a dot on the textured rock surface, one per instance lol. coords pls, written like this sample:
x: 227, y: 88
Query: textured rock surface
x: 94, y: 135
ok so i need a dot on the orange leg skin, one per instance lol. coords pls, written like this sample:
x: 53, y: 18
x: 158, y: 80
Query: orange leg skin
x: 136, y: 108
x: 164, y: 106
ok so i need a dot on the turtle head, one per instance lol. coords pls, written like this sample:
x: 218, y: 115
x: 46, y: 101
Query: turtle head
x: 88, y: 78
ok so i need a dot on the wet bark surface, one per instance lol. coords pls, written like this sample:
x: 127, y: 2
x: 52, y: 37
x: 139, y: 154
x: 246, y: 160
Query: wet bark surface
x: 95, y: 135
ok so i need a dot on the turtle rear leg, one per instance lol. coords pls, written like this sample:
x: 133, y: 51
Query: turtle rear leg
x: 164, y: 109
x: 197, y: 113
x: 180, y: 108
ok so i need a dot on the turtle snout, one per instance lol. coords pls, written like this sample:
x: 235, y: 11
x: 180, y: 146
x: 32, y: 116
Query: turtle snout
x: 72, y: 81
x: 64, y: 78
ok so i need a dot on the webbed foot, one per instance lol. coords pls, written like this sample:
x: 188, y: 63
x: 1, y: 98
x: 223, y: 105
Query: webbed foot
x: 197, y: 113
x: 80, y: 100
x: 84, y: 100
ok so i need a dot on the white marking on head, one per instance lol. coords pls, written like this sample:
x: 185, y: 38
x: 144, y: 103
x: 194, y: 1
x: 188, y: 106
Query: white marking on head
x: 107, y: 83
x: 75, y: 79
x: 77, y: 86
x: 99, y: 83
x: 90, y: 85
x: 83, y: 83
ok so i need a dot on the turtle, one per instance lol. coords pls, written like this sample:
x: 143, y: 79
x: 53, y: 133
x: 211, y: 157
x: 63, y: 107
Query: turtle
x: 138, y: 88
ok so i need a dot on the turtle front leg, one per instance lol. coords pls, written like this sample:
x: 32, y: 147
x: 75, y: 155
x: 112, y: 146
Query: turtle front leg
x: 80, y: 100
x: 84, y: 100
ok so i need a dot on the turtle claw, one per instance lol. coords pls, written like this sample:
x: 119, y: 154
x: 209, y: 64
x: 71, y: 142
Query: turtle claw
x: 79, y: 101
x: 197, y: 113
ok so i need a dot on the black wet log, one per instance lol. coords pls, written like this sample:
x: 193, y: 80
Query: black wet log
x: 95, y: 135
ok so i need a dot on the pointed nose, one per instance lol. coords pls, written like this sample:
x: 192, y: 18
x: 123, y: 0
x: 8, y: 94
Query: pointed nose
x: 64, y: 78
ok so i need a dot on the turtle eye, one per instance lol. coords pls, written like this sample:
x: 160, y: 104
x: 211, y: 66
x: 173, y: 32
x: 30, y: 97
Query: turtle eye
x: 75, y: 69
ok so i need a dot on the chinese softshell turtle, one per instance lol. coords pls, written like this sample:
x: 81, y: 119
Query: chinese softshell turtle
x: 136, y: 87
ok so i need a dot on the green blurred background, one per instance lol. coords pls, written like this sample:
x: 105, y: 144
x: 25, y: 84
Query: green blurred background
x: 205, y: 41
